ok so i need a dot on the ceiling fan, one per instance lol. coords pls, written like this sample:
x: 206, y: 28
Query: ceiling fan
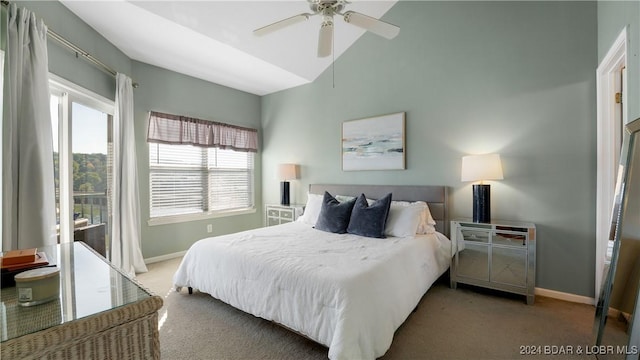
x: 328, y: 8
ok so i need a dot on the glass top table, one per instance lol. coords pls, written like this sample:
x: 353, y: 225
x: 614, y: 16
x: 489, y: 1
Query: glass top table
x: 89, y: 285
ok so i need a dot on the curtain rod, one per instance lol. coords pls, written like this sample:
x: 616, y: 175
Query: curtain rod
x: 78, y: 51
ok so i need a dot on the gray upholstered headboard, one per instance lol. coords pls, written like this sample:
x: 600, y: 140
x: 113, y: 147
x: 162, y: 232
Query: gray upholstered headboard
x: 436, y: 196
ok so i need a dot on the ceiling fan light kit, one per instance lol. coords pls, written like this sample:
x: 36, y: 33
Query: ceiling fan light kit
x: 328, y: 8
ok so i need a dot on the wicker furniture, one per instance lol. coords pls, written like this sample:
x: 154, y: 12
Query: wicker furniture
x: 100, y: 314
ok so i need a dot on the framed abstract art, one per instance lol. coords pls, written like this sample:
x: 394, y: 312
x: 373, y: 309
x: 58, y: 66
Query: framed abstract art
x: 375, y: 143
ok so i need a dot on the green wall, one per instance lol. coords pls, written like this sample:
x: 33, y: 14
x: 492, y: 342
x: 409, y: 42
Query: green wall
x: 510, y: 77
x: 173, y: 93
x: 515, y: 78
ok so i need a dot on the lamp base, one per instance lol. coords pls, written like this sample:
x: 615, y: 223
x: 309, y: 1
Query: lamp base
x: 284, y: 193
x: 481, y: 203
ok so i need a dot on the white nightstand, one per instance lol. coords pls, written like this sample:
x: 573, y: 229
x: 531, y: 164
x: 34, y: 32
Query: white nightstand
x: 276, y: 214
x: 499, y: 255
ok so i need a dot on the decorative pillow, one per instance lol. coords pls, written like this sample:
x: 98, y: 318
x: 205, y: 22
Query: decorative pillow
x: 311, y: 209
x: 404, y: 218
x: 334, y: 215
x: 369, y: 220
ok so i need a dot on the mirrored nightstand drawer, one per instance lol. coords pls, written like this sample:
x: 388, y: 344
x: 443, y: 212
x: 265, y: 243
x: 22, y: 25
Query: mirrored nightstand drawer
x: 475, y: 235
x: 516, y: 240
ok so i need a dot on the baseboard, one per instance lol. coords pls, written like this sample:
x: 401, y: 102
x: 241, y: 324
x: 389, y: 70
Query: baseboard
x: 155, y: 259
x: 565, y: 296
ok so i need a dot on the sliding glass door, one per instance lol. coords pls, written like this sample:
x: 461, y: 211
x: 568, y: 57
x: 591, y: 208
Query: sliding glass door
x: 83, y: 153
x: 91, y: 159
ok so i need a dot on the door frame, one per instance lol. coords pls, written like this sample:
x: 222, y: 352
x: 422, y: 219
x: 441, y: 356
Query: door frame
x: 70, y: 93
x: 606, y: 87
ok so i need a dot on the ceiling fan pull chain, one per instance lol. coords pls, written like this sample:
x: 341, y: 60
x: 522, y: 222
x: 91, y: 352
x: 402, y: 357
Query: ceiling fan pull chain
x: 333, y: 63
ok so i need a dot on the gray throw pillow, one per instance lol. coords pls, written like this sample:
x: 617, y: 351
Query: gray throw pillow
x: 369, y: 220
x: 334, y: 215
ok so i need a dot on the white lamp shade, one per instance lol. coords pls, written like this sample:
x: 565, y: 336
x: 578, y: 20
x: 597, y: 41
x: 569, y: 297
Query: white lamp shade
x: 288, y: 171
x: 481, y: 167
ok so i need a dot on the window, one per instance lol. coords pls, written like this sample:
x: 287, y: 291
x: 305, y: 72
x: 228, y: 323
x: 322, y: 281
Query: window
x: 198, y: 167
x: 185, y: 179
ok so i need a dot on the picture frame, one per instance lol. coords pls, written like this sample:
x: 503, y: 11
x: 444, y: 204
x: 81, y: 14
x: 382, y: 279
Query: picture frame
x: 375, y: 143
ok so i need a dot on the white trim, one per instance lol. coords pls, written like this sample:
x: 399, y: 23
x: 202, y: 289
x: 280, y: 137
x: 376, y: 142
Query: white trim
x: 1, y: 131
x: 156, y: 259
x: 65, y: 163
x: 82, y: 95
x: 164, y: 220
x: 606, y: 137
x: 565, y: 296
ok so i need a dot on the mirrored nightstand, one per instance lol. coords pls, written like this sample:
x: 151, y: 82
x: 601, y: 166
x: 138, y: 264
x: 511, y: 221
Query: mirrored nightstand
x: 276, y: 214
x: 499, y: 255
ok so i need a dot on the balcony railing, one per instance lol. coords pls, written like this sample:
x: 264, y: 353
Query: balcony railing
x: 91, y: 218
x: 91, y: 206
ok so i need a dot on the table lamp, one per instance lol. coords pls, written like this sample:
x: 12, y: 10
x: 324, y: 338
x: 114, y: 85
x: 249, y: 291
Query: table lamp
x: 287, y: 172
x: 480, y: 168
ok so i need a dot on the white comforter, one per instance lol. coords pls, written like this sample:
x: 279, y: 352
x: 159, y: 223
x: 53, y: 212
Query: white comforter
x: 347, y: 292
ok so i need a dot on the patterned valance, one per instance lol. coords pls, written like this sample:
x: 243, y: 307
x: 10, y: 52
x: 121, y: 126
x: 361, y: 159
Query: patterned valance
x: 175, y: 129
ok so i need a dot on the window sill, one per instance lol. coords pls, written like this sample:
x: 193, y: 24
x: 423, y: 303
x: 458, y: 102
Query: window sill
x: 164, y: 220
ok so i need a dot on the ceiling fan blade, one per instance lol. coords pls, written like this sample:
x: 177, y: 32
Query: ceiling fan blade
x: 325, y: 40
x: 374, y: 25
x: 281, y: 24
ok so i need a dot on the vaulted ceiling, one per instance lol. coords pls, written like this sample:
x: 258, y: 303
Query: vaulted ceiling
x: 214, y: 40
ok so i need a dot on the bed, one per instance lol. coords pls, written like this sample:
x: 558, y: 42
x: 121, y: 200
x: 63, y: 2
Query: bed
x: 347, y: 292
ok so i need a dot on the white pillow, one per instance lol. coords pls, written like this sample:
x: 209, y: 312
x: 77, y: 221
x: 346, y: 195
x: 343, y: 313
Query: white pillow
x: 400, y: 222
x: 404, y: 218
x: 343, y: 198
x: 311, y: 209
x: 427, y: 224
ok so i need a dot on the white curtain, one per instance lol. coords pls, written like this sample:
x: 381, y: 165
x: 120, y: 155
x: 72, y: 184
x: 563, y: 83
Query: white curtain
x: 28, y: 200
x: 125, y: 242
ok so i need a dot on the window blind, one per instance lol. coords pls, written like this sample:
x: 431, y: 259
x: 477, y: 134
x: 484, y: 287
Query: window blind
x: 199, y: 166
x: 186, y: 179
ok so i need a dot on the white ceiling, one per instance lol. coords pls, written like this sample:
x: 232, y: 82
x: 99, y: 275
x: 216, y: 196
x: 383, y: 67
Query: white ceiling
x: 214, y: 41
